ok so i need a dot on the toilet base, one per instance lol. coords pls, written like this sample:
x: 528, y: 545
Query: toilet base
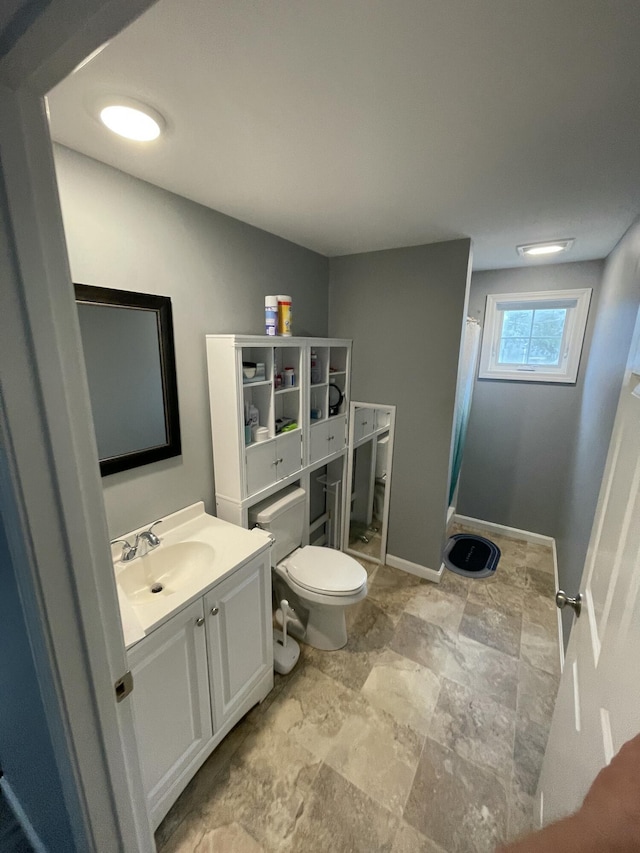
x: 326, y: 628
x: 322, y: 626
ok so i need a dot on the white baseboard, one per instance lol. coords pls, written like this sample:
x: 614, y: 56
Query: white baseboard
x: 21, y: 817
x: 414, y: 568
x: 512, y: 532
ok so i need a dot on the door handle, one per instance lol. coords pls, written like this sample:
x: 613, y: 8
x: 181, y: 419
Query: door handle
x: 200, y: 621
x: 563, y: 600
x: 215, y: 611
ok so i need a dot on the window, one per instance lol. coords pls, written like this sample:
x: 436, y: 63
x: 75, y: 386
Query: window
x: 534, y: 337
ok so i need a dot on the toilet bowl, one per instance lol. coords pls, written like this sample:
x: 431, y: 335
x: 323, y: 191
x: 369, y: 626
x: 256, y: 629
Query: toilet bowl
x: 320, y: 582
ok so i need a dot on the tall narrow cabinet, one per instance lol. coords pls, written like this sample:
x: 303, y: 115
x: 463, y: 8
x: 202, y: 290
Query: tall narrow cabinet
x: 303, y: 412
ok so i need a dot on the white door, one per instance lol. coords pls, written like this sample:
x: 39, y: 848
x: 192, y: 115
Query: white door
x: 171, y: 702
x: 238, y: 614
x: 598, y: 705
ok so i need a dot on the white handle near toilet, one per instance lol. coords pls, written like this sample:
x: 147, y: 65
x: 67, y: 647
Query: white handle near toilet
x: 284, y: 607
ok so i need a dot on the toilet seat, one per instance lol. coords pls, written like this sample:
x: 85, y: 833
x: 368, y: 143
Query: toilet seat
x: 325, y: 571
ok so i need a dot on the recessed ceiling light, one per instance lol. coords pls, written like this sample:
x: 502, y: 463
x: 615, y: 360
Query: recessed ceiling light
x: 132, y: 120
x: 532, y: 250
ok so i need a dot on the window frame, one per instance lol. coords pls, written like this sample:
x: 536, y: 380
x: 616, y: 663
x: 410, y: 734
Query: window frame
x: 578, y: 302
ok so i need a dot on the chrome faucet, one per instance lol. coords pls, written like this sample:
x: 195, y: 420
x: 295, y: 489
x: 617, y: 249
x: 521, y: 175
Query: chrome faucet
x: 130, y: 552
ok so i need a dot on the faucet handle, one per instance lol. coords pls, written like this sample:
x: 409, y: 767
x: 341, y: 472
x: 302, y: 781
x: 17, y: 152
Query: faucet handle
x: 152, y: 538
x: 128, y: 550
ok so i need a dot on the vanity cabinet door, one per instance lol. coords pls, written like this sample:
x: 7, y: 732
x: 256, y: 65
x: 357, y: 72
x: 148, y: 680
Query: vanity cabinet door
x: 170, y: 700
x: 239, y: 635
x: 261, y: 466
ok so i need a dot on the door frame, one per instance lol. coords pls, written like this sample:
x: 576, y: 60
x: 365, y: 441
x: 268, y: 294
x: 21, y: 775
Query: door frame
x: 50, y: 487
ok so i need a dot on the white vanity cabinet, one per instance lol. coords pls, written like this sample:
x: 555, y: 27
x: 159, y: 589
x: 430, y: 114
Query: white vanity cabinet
x: 195, y: 677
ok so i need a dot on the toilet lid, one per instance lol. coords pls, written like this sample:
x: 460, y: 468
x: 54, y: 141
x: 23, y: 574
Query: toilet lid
x: 326, y: 570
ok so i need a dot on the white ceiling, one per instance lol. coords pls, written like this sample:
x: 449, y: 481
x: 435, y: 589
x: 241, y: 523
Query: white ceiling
x: 354, y: 125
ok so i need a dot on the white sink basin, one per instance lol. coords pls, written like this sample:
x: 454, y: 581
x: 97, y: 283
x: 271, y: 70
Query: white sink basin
x: 196, y: 551
x: 164, y: 571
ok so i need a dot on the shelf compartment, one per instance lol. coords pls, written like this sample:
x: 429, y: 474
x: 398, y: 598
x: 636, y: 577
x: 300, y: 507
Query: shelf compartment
x: 338, y: 360
x: 259, y: 394
x: 288, y: 404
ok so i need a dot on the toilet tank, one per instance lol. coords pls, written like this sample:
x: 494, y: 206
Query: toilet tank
x: 281, y: 515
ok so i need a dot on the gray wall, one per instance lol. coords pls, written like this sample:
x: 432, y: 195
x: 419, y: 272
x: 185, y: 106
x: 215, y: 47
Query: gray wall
x: 26, y: 753
x: 521, y: 434
x: 404, y: 309
x: 617, y: 310
x: 124, y: 233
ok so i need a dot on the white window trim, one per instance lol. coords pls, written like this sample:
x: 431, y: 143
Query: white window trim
x: 574, y: 331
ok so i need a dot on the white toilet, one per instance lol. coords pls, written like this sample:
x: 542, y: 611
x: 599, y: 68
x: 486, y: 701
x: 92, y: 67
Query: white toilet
x: 320, y: 582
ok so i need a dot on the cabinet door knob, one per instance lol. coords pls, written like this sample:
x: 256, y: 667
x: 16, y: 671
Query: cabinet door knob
x: 214, y: 611
x: 200, y: 621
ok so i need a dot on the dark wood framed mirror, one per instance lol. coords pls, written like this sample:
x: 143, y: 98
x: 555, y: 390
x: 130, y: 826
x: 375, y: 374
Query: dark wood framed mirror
x: 127, y: 339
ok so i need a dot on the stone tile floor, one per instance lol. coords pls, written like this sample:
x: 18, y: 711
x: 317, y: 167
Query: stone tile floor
x: 424, y: 735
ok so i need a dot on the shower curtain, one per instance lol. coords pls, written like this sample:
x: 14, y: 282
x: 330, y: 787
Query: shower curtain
x: 464, y: 393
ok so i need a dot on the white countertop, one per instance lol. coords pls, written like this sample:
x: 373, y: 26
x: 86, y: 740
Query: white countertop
x: 232, y: 546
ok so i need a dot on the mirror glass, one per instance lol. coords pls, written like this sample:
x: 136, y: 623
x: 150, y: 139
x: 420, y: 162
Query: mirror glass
x: 127, y: 340
x: 371, y: 434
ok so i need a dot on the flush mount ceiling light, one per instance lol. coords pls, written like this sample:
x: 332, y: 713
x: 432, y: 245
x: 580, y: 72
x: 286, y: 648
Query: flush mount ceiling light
x: 536, y: 250
x: 131, y: 119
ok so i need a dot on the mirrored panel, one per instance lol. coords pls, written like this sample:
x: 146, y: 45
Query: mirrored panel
x: 127, y: 340
x: 366, y: 509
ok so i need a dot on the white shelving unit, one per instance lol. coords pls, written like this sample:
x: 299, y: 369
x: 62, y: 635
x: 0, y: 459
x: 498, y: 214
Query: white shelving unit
x: 247, y: 472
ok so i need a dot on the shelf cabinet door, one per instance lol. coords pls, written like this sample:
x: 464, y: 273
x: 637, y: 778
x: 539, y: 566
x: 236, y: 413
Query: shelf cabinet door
x: 239, y: 635
x: 261, y: 466
x: 318, y: 441
x: 288, y: 454
x: 336, y: 438
x: 170, y: 700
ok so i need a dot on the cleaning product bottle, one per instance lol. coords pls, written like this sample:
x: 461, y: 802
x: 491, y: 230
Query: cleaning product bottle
x: 284, y: 316
x: 271, y: 315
